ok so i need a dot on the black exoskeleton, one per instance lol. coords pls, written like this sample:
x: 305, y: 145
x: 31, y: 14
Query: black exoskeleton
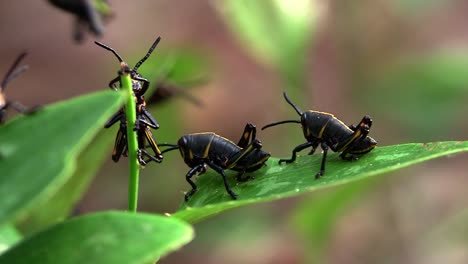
x: 220, y: 154
x: 11, y: 74
x: 144, y: 120
x: 328, y: 131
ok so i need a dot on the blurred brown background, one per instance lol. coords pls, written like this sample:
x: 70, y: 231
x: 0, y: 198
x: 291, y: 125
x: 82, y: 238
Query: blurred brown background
x: 412, y: 216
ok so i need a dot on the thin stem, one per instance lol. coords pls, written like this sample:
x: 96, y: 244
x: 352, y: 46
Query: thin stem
x: 130, y: 112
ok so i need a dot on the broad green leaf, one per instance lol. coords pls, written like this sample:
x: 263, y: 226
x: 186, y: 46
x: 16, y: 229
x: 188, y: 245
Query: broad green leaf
x: 280, y: 181
x: 61, y: 204
x: 110, y: 237
x: 39, y: 151
x: 8, y: 237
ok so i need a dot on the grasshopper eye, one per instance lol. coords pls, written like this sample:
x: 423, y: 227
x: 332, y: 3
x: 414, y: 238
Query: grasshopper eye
x: 183, y: 142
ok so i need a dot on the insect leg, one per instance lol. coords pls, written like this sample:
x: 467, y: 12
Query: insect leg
x: 255, y: 144
x: 239, y: 177
x: 120, y: 143
x: 295, y: 150
x: 21, y: 108
x: 152, y: 122
x: 249, y: 135
x: 141, y: 147
x: 314, y: 147
x: 154, y: 146
x: 2, y: 115
x: 324, y: 158
x: 142, y: 120
x: 116, y: 117
x: 188, y: 177
x: 360, y: 132
x: 18, y: 107
x: 226, y: 184
x: 93, y: 18
x: 113, y: 82
x: 145, y: 86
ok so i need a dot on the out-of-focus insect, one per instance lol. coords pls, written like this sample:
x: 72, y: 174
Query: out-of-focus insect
x: 220, y: 154
x: 166, y: 89
x: 144, y: 120
x: 11, y: 74
x: 328, y: 131
x: 90, y: 15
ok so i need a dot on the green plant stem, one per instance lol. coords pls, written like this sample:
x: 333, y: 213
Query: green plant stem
x: 130, y: 112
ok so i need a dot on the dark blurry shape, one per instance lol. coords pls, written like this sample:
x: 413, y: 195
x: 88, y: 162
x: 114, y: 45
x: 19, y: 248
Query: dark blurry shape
x: 144, y: 120
x: 219, y: 153
x: 165, y: 90
x: 328, y: 131
x: 11, y: 74
x: 90, y: 15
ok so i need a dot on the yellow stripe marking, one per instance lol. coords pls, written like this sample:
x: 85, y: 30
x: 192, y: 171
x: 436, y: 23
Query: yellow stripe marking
x: 323, y: 129
x: 207, y: 148
x: 358, y: 134
x: 153, y: 143
x: 117, y: 140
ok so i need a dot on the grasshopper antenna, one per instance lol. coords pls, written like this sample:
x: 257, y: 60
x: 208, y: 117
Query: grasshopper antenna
x: 292, y: 104
x: 109, y: 49
x: 156, y: 42
x: 12, y: 73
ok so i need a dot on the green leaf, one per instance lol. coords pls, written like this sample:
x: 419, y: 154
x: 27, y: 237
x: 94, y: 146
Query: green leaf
x: 39, y: 151
x: 111, y: 237
x: 280, y: 181
x: 270, y: 30
x: 102, y: 7
x: 275, y: 32
x: 60, y: 205
x: 8, y: 236
x: 178, y: 65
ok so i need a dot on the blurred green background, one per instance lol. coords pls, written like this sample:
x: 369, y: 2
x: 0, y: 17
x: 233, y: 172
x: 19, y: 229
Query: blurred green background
x: 405, y: 63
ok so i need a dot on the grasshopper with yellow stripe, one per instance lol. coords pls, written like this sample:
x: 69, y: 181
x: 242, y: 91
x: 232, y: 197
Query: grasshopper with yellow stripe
x: 220, y: 154
x: 330, y: 132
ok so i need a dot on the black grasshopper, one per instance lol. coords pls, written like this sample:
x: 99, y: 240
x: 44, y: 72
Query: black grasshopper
x: 220, y: 154
x: 144, y: 120
x: 11, y: 74
x: 328, y: 131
